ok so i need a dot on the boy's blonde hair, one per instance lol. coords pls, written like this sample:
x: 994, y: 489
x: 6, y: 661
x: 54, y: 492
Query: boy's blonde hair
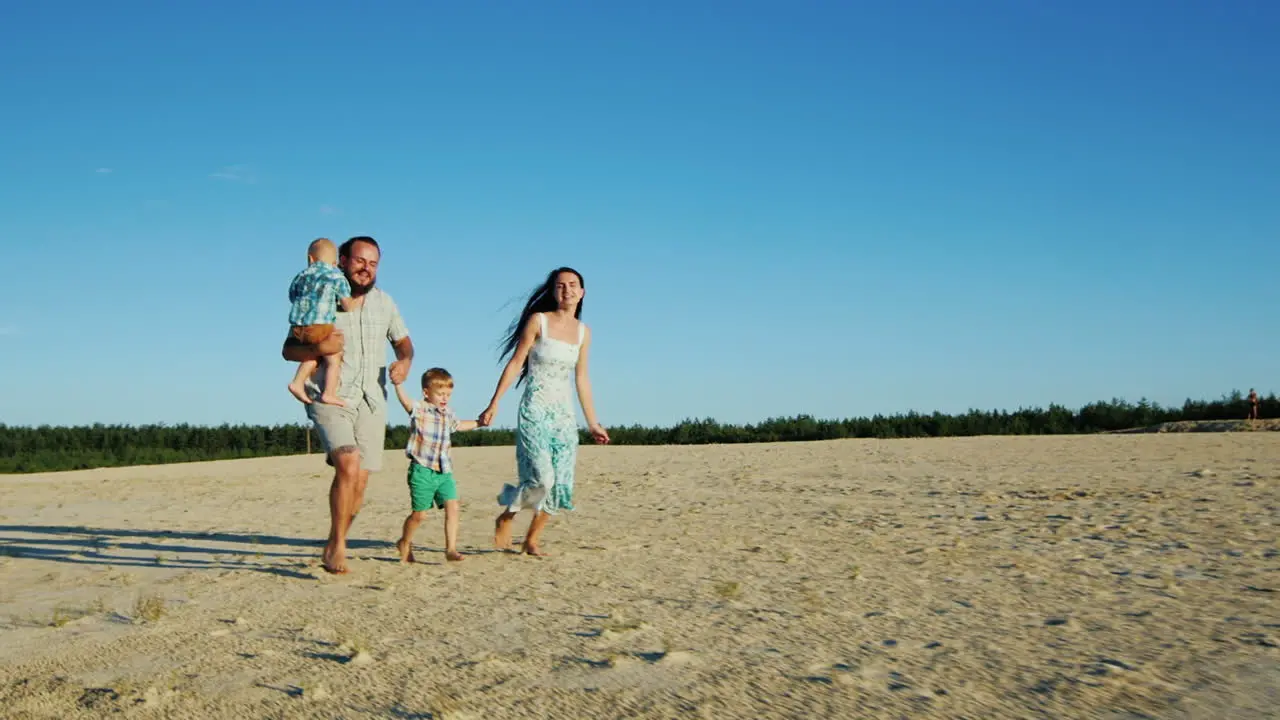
x: 437, y: 376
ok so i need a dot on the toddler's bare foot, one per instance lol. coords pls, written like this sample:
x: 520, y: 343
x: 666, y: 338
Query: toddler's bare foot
x: 299, y: 391
x: 406, y: 551
x: 533, y: 550
x: 502, y: 531
x: 329, y: 398
x: 453, y: 556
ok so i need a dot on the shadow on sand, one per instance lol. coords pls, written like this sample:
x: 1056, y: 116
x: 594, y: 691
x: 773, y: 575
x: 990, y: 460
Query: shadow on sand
x: 119, y: 547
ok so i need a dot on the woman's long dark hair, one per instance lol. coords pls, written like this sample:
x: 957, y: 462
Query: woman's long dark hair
x: 543, y: 299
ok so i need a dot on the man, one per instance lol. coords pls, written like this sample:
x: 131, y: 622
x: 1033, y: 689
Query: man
x: 1253, y: 404
x: 354, y: 433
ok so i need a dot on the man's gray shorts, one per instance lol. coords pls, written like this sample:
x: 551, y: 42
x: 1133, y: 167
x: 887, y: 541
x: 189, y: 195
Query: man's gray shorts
x: 357, y: 425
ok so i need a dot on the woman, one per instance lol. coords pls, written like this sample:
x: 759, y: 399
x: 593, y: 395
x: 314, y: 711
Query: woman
x: 548, y: 347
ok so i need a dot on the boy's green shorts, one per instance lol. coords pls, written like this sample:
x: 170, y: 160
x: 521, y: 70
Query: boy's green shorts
x: 428, y: 487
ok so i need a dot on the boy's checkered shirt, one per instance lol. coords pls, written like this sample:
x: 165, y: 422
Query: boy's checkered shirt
x: 429, y: 430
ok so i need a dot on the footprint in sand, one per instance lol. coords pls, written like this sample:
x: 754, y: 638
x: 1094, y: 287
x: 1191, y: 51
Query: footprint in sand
x: 869, y: 676
x: 631, y: 670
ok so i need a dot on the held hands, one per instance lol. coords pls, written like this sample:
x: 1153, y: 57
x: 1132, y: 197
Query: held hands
x: 486, y: 417
x: 398, y: 371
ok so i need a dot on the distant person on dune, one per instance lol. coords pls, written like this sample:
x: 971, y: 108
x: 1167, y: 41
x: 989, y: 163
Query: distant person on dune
x: 315, y: 295
x: 354, y: 433
x: 1253, y: 404
x: 548, y: 348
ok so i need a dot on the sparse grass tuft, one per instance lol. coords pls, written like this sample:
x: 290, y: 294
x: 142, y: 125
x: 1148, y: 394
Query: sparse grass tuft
x: 620, y: 625
x: 64, y: 614
x: 442, y: 705
x: 126, y: 688
x: 355, y: 643
x: 149, y: 608
x: 728, y: 590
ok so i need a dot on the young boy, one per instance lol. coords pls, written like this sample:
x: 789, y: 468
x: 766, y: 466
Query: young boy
x: 314, y: 296
x: 430, y: 468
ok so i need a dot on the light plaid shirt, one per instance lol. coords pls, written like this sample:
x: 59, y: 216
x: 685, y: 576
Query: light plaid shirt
x: 429, y: 429
x: 367, y: 330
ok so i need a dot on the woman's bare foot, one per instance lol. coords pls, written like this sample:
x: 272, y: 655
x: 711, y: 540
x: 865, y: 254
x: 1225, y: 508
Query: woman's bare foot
x: 329, y: 398
x: 406, y: 551
x: 502, y: 531
x: 299, y: 391
x: 534, y: 550
x: 453, y: 556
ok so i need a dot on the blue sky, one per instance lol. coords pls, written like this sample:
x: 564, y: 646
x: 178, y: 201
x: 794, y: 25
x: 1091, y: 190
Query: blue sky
x: 779, y: 207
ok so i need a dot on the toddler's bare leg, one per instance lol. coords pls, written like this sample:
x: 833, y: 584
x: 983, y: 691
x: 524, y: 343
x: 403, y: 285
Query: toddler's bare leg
x: 332, y: 377
x: 405, y: 545
x: 451, y: 531
x: 298, y: 387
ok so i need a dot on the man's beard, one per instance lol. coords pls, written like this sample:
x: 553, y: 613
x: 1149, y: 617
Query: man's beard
x: 358, y: 290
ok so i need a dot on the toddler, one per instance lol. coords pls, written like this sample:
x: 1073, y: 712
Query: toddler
x: 314, y: 297
x: 431, y: 421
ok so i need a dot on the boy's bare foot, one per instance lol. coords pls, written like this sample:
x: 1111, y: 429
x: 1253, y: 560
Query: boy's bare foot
x: 453, y: 556
x: 329, y: 398
x: 502, y: 531
x: 299, y: 391
x: 406, y: 551
x: 533, y: 550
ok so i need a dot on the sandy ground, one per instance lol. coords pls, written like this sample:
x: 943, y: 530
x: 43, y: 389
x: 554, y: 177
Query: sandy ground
x: 1123, y: 576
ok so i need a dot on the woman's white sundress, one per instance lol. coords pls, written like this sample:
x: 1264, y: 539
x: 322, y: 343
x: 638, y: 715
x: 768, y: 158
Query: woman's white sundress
x: 546, y: 428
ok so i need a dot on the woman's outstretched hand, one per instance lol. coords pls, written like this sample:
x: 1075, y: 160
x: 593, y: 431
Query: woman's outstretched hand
x: 599, y: 434
x: 486, y: 417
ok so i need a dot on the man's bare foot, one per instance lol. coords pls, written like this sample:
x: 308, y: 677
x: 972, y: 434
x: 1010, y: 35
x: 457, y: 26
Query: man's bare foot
x: 453, y: 556
x: 502, y: 531
x: 406, y: 551
x: 533, y: 550
x: 334, y: 560
x: 329, y: 398
x: 299, y: 391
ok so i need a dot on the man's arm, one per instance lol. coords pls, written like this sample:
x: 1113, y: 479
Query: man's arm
x: 398, y: 335
x: 404, y: 358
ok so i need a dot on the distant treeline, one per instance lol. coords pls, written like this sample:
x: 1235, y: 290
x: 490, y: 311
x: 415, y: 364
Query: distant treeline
x: 46, y: 448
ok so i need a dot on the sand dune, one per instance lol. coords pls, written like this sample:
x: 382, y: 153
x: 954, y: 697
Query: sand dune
x: 1264, y: 425
x: 1119, y: 576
